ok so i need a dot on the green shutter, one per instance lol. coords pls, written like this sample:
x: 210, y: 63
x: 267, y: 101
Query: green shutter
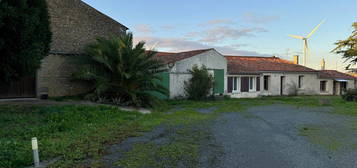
x: 218, y: 81
x: 165, y: 76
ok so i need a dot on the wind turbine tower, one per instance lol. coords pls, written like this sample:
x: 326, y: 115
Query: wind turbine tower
x: 305, y: 47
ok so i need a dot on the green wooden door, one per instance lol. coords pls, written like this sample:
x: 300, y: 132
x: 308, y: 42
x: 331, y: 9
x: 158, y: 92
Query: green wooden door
x: 218, y: 81
x: 165, y: 76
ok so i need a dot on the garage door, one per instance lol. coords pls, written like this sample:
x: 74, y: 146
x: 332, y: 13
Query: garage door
x: 23, y: 88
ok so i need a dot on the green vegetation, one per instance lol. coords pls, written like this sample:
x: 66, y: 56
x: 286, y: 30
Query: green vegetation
x: 200, y: 85
x: 75, y: 133
x: 350, y: 95
x: 181, y: 150
x: 119, y: 72
x: 348, y: 47
x: 321, y: 135
x: 24, y: 39
x: 71, y: 132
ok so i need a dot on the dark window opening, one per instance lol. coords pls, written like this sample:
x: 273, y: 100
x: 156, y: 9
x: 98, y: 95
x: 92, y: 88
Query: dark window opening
x: 258, y: 83
x: 244, y: 84
x: 266, y: 82
x: 235, y: 83
x: 301, y: 81
x: 323, y: 86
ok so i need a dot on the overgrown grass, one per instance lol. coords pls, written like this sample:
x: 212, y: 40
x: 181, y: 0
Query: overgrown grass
x: 75, y: 133
x: 71, y: 132
x: 321, y: 135
x: 181, y: 150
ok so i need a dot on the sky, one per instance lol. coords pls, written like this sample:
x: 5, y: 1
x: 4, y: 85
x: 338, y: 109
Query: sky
x: 238, y: 27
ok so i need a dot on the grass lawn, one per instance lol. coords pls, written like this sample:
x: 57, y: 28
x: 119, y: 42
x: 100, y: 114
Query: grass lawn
x: 77, y: 133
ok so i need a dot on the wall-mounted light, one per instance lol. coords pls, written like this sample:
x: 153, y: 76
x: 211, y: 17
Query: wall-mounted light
x: 171, y: 65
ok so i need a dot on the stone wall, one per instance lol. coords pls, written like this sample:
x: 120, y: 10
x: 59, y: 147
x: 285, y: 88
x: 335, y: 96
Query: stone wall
x: 74, y: 24
x: 56, y: 77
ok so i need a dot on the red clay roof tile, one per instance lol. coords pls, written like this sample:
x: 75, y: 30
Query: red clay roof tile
x: 256, y: 65
x: 168, y: 57
x: 333, y: 74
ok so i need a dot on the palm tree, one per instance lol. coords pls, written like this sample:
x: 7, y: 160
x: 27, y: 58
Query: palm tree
x: 116, y: 69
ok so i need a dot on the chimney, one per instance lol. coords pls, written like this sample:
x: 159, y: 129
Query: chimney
x: 296, y: 59
x: 323, y: 64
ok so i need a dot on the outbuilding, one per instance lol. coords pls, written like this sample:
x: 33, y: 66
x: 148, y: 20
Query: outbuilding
x: 179, y: 64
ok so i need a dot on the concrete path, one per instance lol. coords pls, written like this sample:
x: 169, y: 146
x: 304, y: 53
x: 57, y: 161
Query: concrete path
x: 34, y: 102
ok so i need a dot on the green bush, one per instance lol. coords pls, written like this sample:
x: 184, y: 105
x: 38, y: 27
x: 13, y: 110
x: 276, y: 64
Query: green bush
x: 200, y: 85
x: 120, y: 72
x: 350, y: 95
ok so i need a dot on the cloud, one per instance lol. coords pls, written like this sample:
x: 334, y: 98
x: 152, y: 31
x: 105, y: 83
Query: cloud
x: 218, y: 22
x: 252, y: 18
x: 167, y: 27
x: 182, y: 44
x: 222, y: 33
x: 144, y: 28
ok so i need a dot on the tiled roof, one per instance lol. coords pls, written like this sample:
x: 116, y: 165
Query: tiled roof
x: 256, y: 65
x: 168, y: 57
x: 332, y: 74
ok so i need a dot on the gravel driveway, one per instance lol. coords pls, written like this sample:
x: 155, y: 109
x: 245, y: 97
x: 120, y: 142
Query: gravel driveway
x: 270, y: 137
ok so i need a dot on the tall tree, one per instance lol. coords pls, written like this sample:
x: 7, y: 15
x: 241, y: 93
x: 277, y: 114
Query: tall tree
x: 119, y: 71
x: 348, y: 47
x: 24, y: 39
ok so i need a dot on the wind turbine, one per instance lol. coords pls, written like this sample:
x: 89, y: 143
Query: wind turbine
x: 306, y: 50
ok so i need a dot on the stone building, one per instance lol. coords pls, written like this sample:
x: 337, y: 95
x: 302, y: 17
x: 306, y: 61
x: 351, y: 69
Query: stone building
x: 74, y: 24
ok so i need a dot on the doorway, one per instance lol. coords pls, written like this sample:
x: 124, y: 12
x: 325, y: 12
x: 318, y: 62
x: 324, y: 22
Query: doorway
x: 23, y: 88
x: 282, y: 79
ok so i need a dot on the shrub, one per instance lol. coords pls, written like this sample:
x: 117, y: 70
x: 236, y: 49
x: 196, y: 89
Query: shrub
x: 118, y: 70
x: 350, y: 95
x: 24, y: 39
x: 200, y: 85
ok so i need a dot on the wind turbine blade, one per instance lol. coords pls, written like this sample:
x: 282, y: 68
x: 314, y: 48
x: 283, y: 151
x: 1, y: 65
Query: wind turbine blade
x: 297, y: 37
x: 153, y: 47
x: 314, y: 30
x: 307, y: 52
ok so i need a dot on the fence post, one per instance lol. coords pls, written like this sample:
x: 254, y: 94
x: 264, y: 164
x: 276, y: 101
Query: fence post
x: 36, y: 157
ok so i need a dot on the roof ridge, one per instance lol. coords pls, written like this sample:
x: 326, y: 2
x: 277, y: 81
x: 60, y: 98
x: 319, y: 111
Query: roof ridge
x: 240, y: 56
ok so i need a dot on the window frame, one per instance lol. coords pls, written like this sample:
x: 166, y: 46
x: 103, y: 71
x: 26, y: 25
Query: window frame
x: 323, y: 86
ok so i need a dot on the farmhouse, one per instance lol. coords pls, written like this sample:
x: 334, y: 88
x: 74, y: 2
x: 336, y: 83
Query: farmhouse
x: 335, y: 83
x: 268, y: 76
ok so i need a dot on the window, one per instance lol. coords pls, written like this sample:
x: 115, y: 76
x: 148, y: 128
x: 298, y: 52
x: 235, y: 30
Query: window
x: 251, y: 83
x: 258, y: 83
x: 323, y: 86
x: 266, y: 82
x: 301, y: 81
x: 235, y: 83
